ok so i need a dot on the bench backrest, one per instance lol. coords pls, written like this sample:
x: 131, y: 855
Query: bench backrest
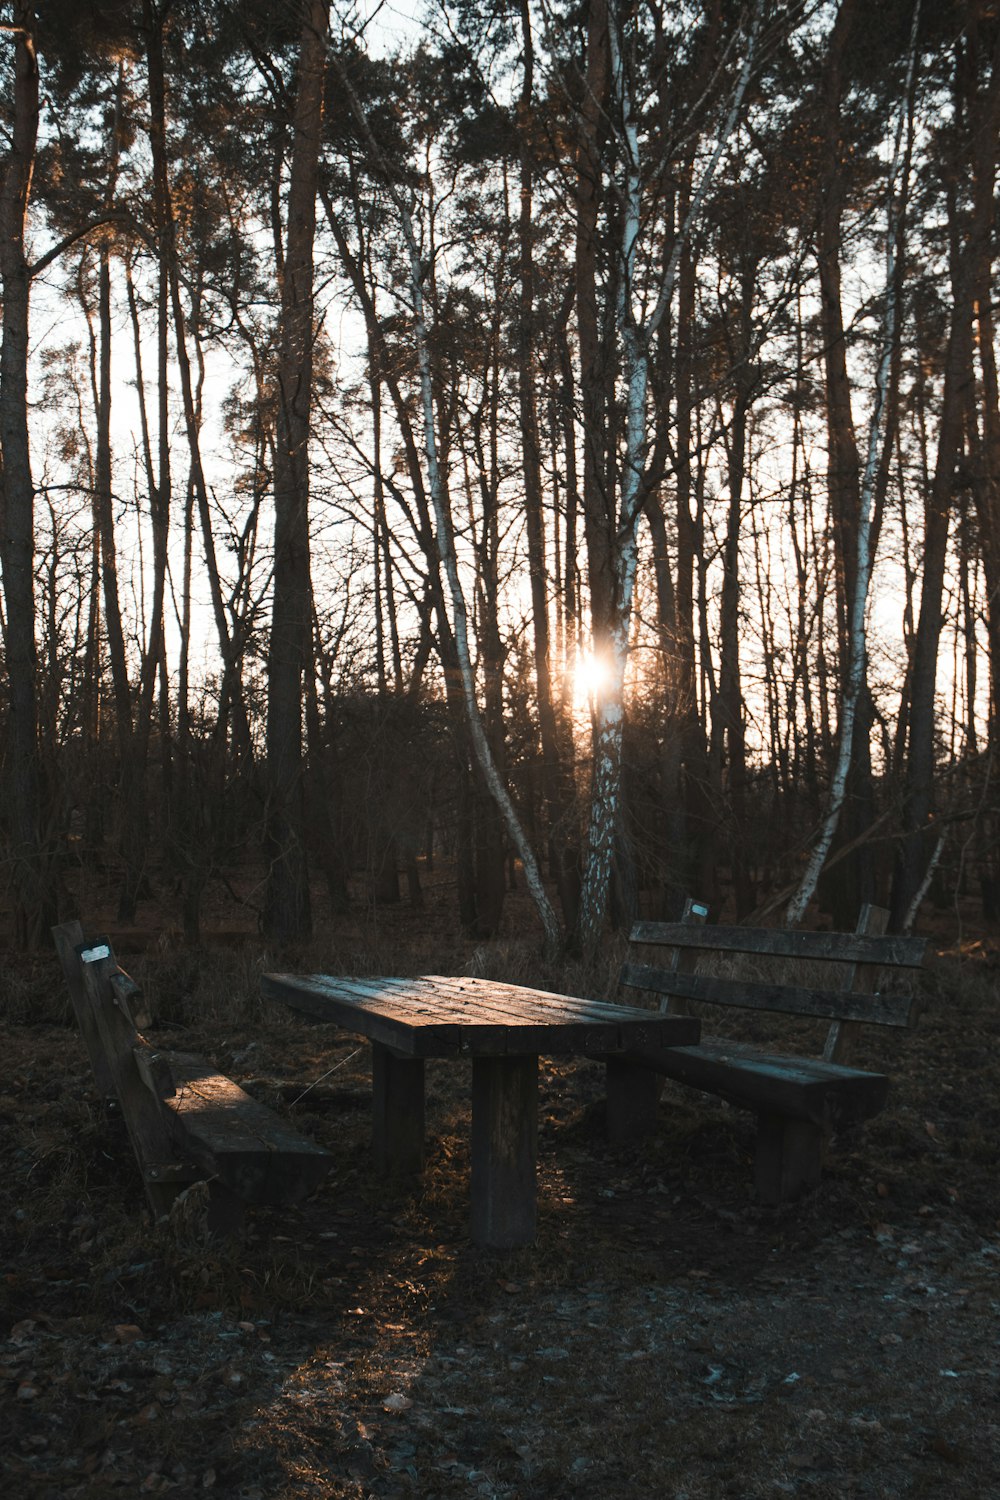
x: 861, y: 956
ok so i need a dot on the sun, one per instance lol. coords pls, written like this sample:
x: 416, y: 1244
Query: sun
x: 590, y: 677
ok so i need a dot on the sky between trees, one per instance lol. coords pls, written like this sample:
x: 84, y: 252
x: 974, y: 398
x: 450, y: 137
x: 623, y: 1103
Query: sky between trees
x: 361, y: 380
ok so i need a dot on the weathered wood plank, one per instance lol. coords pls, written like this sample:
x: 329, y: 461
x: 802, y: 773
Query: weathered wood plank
x: 68, y: 938
x: 439, y: 1017
x: 504, y: 1151
x: 800, y: 1087
x: 779, y: 942
x: 882, y: 1010
x: 385, y: 1024
x: 861, y: 978
x: 233, y: 1136
x: 128, y: 995
x: 110, y: 1028
x: 545, y: 1004
x: 480, y: 1004
x: 683, y: 960
x: 154, y: 1070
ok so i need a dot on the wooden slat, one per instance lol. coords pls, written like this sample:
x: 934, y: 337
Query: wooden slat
x: 435, y: 1016
x: 478, y: 1002
x: 543, y: 1003
x: 324, y: 1001
x: 861, y: 978
x: 251, y: 1150
x: 799, y: 1087
x: 393, y: 998
x: 881, y: 1010
x: 154, y: 1070
x: 683, y: 960
x: 526, y: 1010
x: 841, y: 947
x: 68, y: 938
x: 482, y: 1016
x: 108, y: 1027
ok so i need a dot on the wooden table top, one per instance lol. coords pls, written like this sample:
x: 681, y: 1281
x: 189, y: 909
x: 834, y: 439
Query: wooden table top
x: 435, y: 1016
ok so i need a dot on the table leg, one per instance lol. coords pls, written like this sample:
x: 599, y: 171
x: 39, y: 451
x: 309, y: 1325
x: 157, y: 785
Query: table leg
x: 398, y: 1102
x: 504, y: 1150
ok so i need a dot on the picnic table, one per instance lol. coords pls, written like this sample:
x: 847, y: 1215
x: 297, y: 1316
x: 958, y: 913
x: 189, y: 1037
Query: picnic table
x: 502, y: 1028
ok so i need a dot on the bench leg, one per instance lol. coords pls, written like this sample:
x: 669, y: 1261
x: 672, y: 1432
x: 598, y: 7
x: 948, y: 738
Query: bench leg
x: 398, y: 1103
x: 226, y: 1212
x: 789, y: 1157
x: 633, y: 1095
x: 504, y: 1151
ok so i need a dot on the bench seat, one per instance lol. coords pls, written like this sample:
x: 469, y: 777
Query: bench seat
x: 232, y: 1137
x: 803, y: 1088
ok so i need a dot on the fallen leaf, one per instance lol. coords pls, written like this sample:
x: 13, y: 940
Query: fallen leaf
x: 944, y: 1449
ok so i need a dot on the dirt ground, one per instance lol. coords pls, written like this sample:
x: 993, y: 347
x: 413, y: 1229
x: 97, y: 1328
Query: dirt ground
x: 665, y: 1336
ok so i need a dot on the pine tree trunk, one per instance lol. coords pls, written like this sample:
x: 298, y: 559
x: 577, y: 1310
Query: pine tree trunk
x: 287, y: 913
x: 30, y: 860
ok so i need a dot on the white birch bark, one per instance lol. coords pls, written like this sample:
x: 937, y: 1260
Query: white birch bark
x: 446, y: 539
x: 636, y: 336
x: 924, y: 886
x: 858, y: 640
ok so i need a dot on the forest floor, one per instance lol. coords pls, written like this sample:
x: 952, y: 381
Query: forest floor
x: 665, y: 1336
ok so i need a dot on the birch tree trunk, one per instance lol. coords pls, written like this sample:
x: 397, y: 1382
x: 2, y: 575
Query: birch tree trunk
x: 861, y: 570
x: 636, y: 335
x: 445, y: 537
x: 843, y: 467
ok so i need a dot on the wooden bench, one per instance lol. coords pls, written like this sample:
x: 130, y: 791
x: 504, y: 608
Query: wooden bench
x: 186, y: 1121
x: 799, y: 1101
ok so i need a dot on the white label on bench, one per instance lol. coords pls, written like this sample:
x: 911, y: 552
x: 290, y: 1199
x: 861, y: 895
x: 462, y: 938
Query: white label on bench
x: 94, y: 955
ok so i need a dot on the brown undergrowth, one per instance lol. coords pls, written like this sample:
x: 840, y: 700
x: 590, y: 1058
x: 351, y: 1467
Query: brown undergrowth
x: 665, y: 1336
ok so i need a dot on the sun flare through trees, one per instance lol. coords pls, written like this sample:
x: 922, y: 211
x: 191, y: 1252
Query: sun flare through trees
x: 558, y: 441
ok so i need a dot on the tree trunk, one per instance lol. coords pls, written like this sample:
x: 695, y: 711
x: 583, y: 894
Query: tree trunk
x: 853, y: 881
x: 30, y: 857
x: 287, y: 914
x: 556, y: 792
x: 919, y: 774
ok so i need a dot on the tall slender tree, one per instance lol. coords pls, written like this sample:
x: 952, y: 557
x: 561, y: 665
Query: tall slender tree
x: 287, y: 911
